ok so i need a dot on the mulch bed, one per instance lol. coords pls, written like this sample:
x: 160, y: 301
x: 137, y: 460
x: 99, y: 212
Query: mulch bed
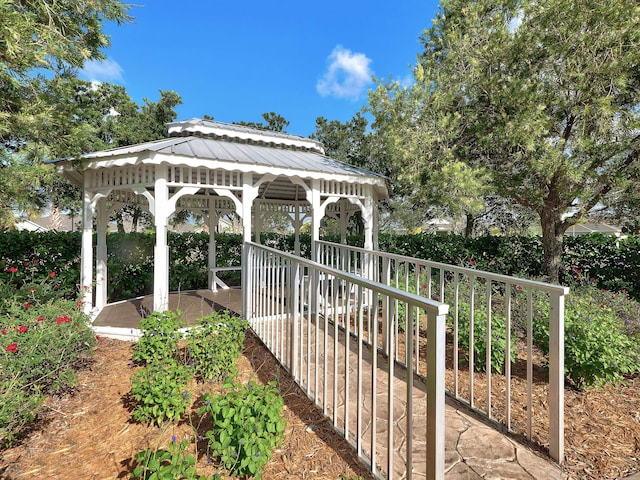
x: 90, y: 434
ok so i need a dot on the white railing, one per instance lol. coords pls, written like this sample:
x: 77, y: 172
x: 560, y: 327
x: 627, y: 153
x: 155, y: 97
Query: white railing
x: 507, y: 385
x: 323, y: 324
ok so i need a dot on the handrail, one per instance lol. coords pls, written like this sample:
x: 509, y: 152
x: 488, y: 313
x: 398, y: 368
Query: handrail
x: 306, y: 313
x: 380, y: 265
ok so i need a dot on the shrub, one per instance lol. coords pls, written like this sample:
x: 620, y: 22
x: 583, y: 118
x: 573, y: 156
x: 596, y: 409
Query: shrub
x: 597, y: 351
x: 247, y: 426
x: 160, y: 335
x: 41, y: 343
x: 214, y: 346
x: 160, y: 390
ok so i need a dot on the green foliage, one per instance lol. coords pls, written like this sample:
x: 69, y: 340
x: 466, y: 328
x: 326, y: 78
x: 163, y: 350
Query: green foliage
x: 597, y: 349
x: 34, y: 257
x: 498, y: 337
x: 171, y: 464
x: 496, y: 88
x: 160, y: 390
x: 43, y: 339
x: 160, y: 337
x: 214, y: 346
x: 247, y: 426
x: 42, y: 47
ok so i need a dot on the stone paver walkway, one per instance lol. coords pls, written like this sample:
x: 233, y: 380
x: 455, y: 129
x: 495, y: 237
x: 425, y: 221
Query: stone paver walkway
x: 474, y: 450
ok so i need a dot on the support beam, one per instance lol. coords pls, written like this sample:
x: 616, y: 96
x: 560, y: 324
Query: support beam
x: 161, y: 250
x: 86, y: 262
x: 101, y: 254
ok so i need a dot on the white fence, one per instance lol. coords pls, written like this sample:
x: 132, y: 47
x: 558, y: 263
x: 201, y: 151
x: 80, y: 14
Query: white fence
x: 324, y: 325
x: 506, y: 385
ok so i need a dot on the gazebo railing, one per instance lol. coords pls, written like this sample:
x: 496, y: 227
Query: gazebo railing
x: 506, y: 385
x: 322, y: 324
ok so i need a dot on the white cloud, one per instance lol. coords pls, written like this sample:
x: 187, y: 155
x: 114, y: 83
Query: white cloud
x: 347, y: 75
x: 106, y: 71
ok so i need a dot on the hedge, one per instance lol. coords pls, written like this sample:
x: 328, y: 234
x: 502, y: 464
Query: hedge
x: 601, y: 260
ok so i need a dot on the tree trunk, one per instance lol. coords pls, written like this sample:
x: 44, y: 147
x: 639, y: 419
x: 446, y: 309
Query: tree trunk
x: 553, y: 229
x: 135, y: 218
x: 119, y: 221
x: 469, y: 227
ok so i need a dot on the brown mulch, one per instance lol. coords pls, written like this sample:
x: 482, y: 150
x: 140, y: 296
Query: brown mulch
x: 90, y: 434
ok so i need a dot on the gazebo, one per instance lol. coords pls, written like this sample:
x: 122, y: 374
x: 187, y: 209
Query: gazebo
x: 215, y: 168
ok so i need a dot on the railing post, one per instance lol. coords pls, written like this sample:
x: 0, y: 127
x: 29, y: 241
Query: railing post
x: 246, y: 281
x: 385, y: 280
x: 294, y: 318
x: 436, y: 358
x: 556, y: 376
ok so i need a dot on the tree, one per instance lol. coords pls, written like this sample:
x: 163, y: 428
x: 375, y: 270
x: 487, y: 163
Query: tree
x: 274, y: 122
x: 542, y: 97
x: 41, y: 42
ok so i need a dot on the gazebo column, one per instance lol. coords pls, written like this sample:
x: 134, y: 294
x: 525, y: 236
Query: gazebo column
x: 343, y: 221
x: 368, y: 217
x: 161, y: 250
x: 298, y: 219
x: 101, y: 254
x: 259, y: 220
x: 317, y: 212
x: 249, y: 194
x: 86, y: 260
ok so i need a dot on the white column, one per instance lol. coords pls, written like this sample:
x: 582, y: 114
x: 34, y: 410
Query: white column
x: 297, y: 225
x: 343, y: 220
x: 249, y: 193
x: 213, y: 224
x: 367, y: 217
x: 161, y: 251
x: 86, y: 261
x: 316, y: 216
x: 259, y: 219
x: 101, y: 255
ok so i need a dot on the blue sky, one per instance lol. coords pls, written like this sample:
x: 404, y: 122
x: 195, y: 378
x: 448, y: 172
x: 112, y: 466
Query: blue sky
x: 236, y: 60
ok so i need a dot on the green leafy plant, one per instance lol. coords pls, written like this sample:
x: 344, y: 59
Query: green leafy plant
x: 160, y: 335
x: 214, y: 346
x: 160, y: 390
x: 247, y: 426
x: 498, y: 337
x: 171, y: 464
x: 597, y: 350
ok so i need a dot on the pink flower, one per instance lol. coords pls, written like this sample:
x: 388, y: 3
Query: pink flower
x: 23, y: 329
x: 52, y: 274
x: 27, y: 305
x: 12, y: 270
x: 4, y: 331
x: 13, y: 347
x: 40, y: 319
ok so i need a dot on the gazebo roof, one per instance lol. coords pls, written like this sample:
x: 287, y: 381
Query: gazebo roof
x: 201, y: 143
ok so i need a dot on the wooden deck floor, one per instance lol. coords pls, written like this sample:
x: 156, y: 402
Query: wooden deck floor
x: 194, y: 304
